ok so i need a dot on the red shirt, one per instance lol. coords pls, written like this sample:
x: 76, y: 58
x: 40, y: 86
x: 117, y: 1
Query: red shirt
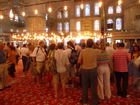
x: 121, y: 59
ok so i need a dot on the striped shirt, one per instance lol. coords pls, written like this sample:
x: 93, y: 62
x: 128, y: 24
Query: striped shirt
x: 103, y: 58
x: 121, y: 59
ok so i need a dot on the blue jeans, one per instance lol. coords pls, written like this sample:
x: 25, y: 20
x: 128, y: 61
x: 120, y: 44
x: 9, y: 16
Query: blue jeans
x: 89, y: 78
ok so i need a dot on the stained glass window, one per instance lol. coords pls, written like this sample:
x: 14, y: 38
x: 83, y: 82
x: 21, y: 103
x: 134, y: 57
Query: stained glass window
x: 78, y: 11
x: 66, y: 14
x: 96, y: 9
x: 96, y: 25
x: 110, y: 10
x: 59, y: 14
x: 118, y: 9
x: 66, y: 25
x: 59, y: 27
x: 118, y: 24
x: 87, y: 10
x: 78, y: 26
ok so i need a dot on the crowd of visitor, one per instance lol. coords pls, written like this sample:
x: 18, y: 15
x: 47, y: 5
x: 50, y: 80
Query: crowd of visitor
x: 95, y: 65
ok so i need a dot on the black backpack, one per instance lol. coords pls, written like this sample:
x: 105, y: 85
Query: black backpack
x: 73, y: 58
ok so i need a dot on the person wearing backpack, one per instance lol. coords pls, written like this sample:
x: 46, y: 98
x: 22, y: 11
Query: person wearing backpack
x: 72, y: 55
x: 39, y: 58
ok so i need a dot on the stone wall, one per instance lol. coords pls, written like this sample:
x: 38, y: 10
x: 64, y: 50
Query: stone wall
x: 132, y: 18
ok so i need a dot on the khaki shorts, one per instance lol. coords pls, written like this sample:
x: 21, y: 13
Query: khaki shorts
x: 60, y: 76
x: 40, y: 67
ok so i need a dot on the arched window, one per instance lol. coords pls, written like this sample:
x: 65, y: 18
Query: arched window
x: 118, y: 9
x: 78, y: 26
x: 118, y: 24
x: 59, y: 14
x: 66, y: 26
x: 78, y: 11
x: 87, y: 10
x: 96, y: 25
x: 59, y: 27
x: 110, y: 10
x: 96, y: 9
x: 110, y: 24
x: 65, y: 13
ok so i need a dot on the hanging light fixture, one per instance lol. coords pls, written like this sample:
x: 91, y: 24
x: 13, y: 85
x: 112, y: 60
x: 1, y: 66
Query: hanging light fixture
x: 119, y: 2
x: 100, y: 4
x: 1, y: 17
x: 65, y: 8
x: 23, y: 14
x: 11, y: 14
x: 50, y: 9
x: 36, y: 11
x: 82, y: 6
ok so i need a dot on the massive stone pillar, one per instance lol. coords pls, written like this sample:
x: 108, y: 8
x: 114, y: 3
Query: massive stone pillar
x: 35, y: 24
x: 35, y: 18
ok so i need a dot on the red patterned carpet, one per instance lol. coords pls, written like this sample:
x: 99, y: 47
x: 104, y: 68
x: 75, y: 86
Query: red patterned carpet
x: 25, y: 92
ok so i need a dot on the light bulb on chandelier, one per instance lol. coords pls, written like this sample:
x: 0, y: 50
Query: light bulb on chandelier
x: 36, y: 11
x: 100, y: 4
x: 65, y: 8
x: 49, y: 9
x: 23, y: 14
x: 1, y: 17
x: 119, y: 2
x: 82, y: 6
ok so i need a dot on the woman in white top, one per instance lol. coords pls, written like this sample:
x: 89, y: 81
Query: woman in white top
x: 61, y: 64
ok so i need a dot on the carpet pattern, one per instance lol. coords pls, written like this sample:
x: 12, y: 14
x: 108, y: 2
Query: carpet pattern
x: 25, y: 92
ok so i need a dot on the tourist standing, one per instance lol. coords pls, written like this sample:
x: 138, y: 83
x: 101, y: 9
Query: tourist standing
x: 11, y: 61
x: 39, y: 58
x: 121, y: 59
x: 103, y: 70
x: 3, y: 68
x: 61, y: 64
x: 88, y: 61
x: 71, y: 69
